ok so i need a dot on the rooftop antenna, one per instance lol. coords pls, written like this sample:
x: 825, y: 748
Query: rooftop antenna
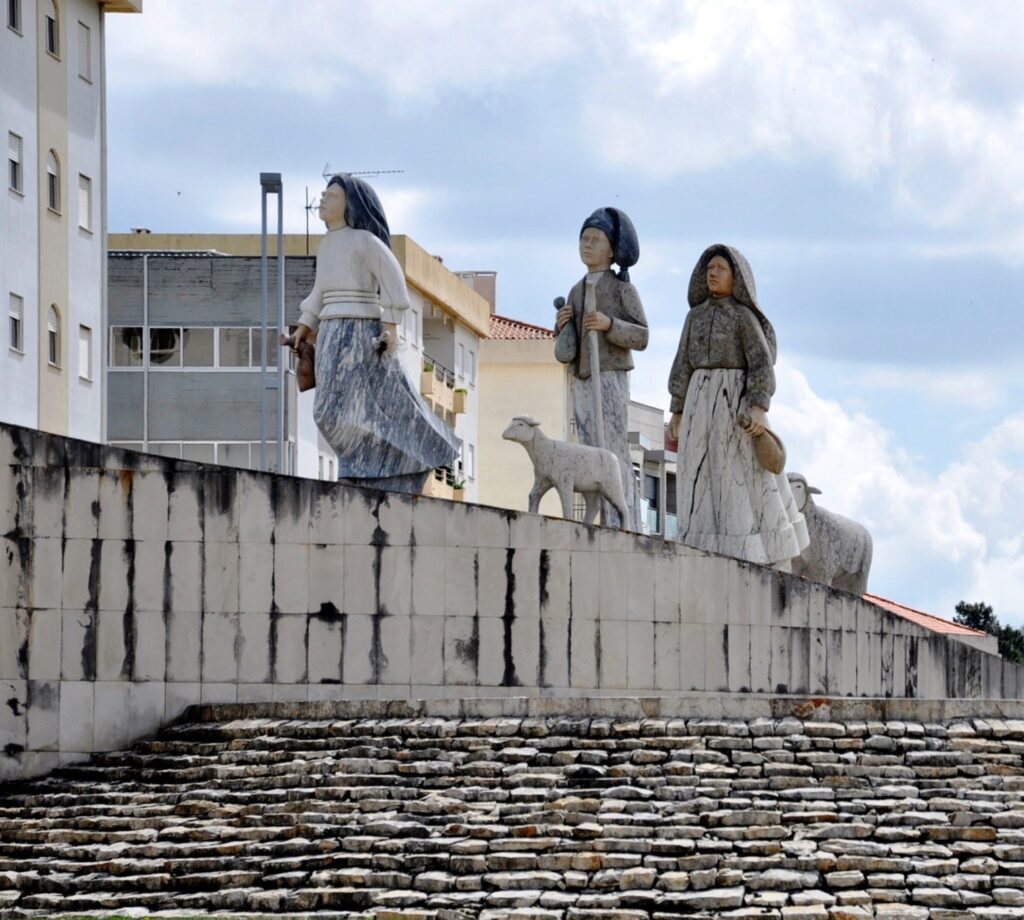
x: 328, y: 171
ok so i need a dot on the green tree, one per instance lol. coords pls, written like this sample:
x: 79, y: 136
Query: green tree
x: 977, y: 616
x: 981, y: 616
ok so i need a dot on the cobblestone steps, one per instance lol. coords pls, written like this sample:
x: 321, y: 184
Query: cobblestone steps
x: 557, y: 818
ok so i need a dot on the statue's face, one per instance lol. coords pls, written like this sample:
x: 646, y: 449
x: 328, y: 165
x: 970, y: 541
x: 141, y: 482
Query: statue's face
x: 332, y: 206
x: 799, y: 493
x: 595, y: 249
x: 720, y: 280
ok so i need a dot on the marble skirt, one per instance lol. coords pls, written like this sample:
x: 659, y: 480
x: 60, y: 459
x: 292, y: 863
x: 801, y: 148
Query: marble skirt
x: 726, y: 501
x: 368, y: 410
x: 614, y: 409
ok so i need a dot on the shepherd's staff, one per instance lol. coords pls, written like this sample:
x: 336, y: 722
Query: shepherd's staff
x: 590, y: 306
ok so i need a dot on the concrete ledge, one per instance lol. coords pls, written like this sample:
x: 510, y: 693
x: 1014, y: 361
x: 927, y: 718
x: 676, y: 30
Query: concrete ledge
x: 743, y: 707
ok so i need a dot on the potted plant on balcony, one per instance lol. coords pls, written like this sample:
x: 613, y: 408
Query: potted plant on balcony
x: 459, y: 399
x: 459, y: 487
x: 427, y: 378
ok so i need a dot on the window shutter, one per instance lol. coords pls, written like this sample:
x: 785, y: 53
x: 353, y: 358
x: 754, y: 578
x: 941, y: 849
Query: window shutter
x: 14, y: 147
x: 85, y: 352
x: 85, y: 202
x: 84, y: 51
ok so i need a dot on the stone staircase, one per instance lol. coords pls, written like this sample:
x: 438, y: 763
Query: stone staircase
x: 296, y: 808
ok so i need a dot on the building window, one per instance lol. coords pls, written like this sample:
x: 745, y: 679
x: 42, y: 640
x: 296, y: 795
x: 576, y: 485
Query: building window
x: 165, y: 347
x: 460, y: 360
x: 17, y: 321
x: 53, y: 181
x: 471, y: 370
x: 470, y: 461
x: 52, y: 33
x: 53, y: 335
x: 234, y: 348
x: 14, y: 15
x: 84, y: 52
x: 14, y: 160
x: 126, y: 346
x: 85, y: 352
x: 197, y: 348
x: 85, y: 203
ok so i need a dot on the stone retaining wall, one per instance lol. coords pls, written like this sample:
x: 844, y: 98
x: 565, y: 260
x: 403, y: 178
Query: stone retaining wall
x: 514, y: 810
x: 132, y: 586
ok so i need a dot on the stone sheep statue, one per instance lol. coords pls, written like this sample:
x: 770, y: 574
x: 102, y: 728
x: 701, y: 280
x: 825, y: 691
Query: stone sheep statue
x: 839, y: 553
x: 569, y: 468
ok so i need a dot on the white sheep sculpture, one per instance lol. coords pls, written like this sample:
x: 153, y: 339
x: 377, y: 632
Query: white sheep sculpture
x: 569, y: 468
x: 839, y: 553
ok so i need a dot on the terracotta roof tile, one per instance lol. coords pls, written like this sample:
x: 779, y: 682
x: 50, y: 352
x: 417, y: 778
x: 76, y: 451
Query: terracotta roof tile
x: 502, y: 327
x: 927, y: 620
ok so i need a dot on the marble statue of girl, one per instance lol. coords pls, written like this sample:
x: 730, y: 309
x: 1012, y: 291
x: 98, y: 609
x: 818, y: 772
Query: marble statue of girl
x: 723, y: 373
x: 383, y: 432
x: 606, y: 304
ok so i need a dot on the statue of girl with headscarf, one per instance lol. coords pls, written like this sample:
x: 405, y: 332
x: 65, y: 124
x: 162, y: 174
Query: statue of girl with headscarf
x: 721, y: 383
x: 606, y: 304
x: 384, y: 434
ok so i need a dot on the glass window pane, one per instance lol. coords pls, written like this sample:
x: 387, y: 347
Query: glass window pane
x: 272, y: 348
x: 233, y: 455
x: 194, y: 450
x: 197, y: 348
x: 168, y: 449
x: 234, y: 347
x: 165, y: 347
x: 126, y: 346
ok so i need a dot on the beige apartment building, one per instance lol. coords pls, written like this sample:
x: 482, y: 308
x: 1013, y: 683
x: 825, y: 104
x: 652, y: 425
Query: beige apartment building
x: 52, y: 235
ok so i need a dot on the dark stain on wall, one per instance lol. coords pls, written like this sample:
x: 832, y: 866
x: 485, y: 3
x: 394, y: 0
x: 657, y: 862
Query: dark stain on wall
x: 542, y: 656
x: 379, y: 540
x: 128, y: 624
x: 779, y: 595
x: 468, y: 650
x: 201, y: 499
x: 14, y: 750
x: 220, y: 491
x: 23, y: 657
x: 92, y: 606
x: 275, y: 614
x: 544, y: 573
x: 42, y: 694
x: 568, y: 630
x: 725, y: 658
x: 910, y: 685
x: 14, y: 704
x: 330, y: 614
x: 509, y: 678
x: 598, y: 662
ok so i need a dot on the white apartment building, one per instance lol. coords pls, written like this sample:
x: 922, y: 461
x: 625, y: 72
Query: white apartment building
x: 52, y: 235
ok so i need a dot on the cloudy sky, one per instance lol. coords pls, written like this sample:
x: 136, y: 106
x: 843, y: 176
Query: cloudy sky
x: 866, y: 158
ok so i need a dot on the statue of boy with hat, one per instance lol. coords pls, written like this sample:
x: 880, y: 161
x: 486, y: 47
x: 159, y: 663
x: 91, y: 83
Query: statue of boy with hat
x: 599, y: 328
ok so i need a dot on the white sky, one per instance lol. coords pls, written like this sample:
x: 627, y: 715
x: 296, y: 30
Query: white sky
x: 866, y: 158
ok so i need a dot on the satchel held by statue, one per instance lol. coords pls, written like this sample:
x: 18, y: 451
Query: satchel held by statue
x: 305, y: 376
x: 768, y: 447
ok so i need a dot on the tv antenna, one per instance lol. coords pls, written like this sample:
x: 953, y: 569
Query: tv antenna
x: 329, y: 171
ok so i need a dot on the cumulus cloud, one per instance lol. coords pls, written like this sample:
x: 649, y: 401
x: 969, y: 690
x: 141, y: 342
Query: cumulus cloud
x: 414, y: 51
x: 712, y: 85
x: 938, y: 538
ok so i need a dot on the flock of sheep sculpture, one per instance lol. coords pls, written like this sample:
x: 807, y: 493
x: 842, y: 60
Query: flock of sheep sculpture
x: 839, y: 552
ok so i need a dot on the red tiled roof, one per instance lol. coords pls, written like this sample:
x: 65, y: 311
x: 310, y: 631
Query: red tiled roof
x: 504, y: 328
x: 927, y: 620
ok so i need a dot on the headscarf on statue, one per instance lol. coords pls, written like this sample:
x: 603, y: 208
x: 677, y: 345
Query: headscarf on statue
x: 363, y: 209
x: 621, y: 233
x: 744, y: 290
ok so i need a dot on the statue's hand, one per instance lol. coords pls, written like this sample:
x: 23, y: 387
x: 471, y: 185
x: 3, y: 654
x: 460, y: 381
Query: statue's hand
x: 301, y: 334
x: 674, y: 424
x: 389, y: 338
x: 758, y: 422
x: 599, y: 322
x: 562, y: 317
